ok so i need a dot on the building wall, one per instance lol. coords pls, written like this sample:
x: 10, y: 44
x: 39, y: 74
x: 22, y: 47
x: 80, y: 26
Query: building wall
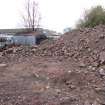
x: 24, y: 40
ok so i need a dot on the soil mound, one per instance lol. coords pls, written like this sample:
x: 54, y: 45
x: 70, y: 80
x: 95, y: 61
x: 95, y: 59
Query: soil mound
x: 84, y: 45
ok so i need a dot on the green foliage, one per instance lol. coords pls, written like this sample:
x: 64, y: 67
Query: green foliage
x: 92, y: 17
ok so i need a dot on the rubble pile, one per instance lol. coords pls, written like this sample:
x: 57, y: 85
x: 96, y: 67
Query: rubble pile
x: 86, y: 46
x: 16, y: 53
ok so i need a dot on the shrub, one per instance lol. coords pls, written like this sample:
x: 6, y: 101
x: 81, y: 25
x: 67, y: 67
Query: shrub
x: 92, y: 17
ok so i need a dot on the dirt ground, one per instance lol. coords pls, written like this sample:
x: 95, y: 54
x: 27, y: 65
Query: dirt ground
x: 69, y: 71
x: 49, y: 81
x: 30, y: 82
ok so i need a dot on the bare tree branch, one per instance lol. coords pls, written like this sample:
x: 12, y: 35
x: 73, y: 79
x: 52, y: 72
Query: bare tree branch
x: 31, y: 18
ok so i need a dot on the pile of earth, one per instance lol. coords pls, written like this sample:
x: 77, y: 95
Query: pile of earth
x: 85, y: 46
x: 16, y: 52
x: 85, y: 51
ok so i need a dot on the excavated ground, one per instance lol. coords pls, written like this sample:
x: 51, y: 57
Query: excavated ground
x: 49, y: 81
x: 69, y: 71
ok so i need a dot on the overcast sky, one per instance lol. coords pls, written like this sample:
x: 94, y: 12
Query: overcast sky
x: 56, y: 14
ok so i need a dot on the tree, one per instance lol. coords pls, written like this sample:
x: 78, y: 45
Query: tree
x: 31, y: 16
x: 92, y: 17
